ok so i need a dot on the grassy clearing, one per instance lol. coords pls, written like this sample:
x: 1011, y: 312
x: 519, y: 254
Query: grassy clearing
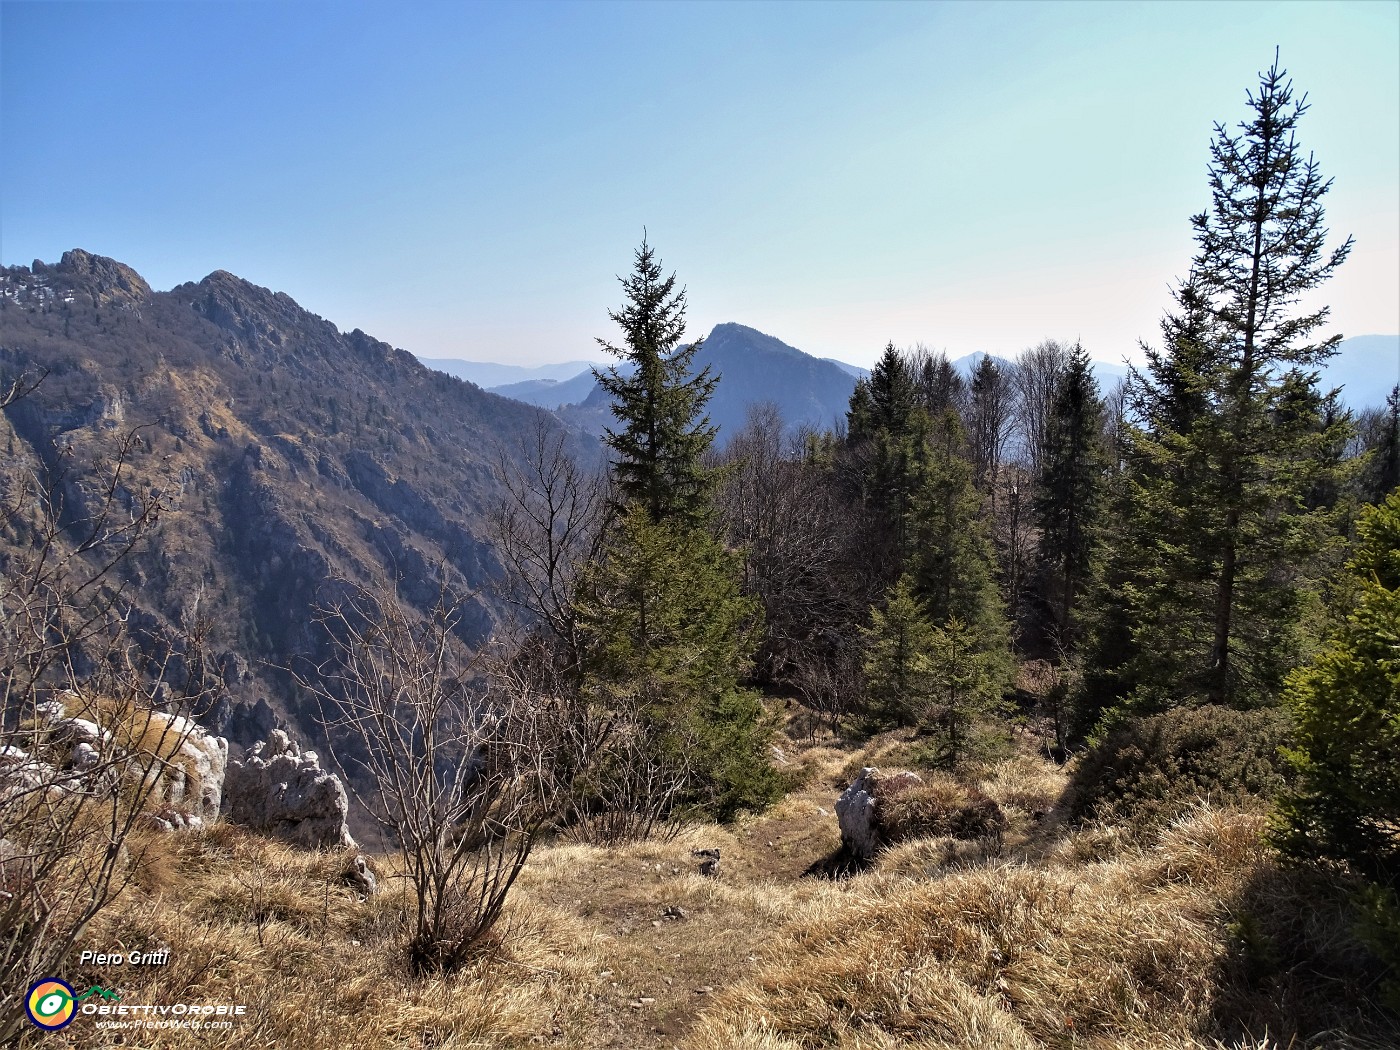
x: 1048, y: 939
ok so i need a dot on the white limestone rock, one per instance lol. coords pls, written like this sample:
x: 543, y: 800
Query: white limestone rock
x: 279, y: 790
x: 857, y: 810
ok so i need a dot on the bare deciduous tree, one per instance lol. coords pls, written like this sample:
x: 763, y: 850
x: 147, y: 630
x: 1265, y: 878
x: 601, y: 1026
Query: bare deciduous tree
x: 785, y: 512
x: 990, y: 414
x: 1035, y: 376
x: 547, y: 530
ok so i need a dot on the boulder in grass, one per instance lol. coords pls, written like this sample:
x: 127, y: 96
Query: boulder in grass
x: 278, y: 789
x: 857, y: 810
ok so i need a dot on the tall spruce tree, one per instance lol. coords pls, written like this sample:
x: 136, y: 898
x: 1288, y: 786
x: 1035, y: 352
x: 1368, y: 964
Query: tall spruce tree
x: 1223, y: 460
x: 883, y: 437
x: 663, y: 433
x: 951, y: 558
x: 1069, y: 498
x: 666, y: 631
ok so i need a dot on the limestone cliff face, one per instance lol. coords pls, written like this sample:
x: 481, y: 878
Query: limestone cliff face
x: 289, y: 457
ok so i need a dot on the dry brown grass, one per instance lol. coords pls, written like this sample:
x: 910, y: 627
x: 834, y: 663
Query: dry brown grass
x: 1089, y: 941
x: 259, y: 923
x: 1136, y: 950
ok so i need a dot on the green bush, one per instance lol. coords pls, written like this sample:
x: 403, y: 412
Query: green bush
x: 1148, y: 771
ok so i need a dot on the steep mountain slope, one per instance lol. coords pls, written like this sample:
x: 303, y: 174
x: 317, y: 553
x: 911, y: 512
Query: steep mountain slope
x: 293, y: 457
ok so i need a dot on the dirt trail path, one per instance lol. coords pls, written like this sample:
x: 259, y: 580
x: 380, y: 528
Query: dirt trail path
x: 669, y: 938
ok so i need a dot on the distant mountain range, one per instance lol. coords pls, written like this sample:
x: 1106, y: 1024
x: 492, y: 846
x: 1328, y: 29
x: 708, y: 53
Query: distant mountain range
x: 752, y: 367
x: 814, y: 392
x: 489, y: 375
x: 551, y: 393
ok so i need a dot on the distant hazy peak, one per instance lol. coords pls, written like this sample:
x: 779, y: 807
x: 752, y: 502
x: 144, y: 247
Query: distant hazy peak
x: 730, y: 332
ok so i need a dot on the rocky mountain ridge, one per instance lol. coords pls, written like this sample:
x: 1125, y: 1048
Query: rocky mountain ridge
x: 292, y: 460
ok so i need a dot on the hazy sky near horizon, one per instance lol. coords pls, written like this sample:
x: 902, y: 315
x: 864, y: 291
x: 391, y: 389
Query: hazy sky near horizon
x: 466, y: 180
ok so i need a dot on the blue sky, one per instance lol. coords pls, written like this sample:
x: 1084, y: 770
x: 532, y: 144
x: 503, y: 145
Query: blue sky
x: 465, y: 180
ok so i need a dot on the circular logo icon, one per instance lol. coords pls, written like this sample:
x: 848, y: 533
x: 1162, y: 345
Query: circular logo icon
x: 50, y: 1003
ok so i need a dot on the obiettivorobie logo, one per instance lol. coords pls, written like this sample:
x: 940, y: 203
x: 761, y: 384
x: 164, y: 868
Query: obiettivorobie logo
x: 51, y: 1004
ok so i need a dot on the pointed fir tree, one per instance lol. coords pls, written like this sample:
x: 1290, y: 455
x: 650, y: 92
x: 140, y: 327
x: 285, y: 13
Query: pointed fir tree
x: 1069, y: 498
x: 666, y: 631
x: 898, y: 652
x: 883, y: 435
x: 1222, y: 462
x: 951, y: 560
x: 662, y: 434
x: 884, y: 402
x: 967, y: 682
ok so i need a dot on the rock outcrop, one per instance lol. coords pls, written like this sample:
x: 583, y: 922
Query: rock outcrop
x: 857, y: 810
x: 280, y: 790
x: 181, y: 762
x: 194, y: 783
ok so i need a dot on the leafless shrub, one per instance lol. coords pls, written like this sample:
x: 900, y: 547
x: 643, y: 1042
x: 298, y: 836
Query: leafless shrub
x: 629, y: 796
x: 548, y: 530
x: 831, y: 689
x: 465, y: 759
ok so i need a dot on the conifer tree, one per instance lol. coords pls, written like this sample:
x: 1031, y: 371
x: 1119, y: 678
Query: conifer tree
x: 951, y: 561
x: 898, y: 652
x: 1383, y: 443
x: 1223, y: 459
x: 1346, y: 708
x: 663, y: 433
x: 938, y: 385
x: 883, y: 437
x: 883, y: 403
x: 668, y: 634
x: 666, y: 631
x: 1069, y: 498
x: 938, y: 678
x: 967, y: 680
